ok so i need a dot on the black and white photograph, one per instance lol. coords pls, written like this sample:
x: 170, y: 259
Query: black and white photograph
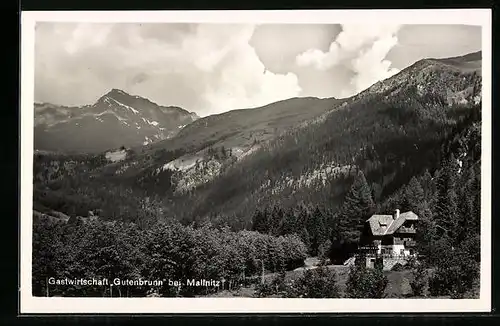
x: 274, y: 156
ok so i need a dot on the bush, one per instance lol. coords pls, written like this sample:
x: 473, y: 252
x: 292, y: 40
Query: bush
x: 314, y: 283
x: 317, y: 283
x: 456, y: 273
x: 275, y: 287
x: 419, y: 280
x: 454, y: 281
x: 412, y: 263
x: 457, y: 269
x: 366, y: 283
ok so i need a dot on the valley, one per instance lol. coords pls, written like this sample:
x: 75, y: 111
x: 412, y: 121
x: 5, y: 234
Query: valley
x: 246, y: 186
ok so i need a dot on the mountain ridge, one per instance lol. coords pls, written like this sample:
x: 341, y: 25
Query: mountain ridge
x: 390, y: 131
x: 313, y: 173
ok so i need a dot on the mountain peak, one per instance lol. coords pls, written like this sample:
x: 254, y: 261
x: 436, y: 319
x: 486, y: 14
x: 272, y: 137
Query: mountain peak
x: 116, y: 91
x: 473, y: 56
x: 426, y: 75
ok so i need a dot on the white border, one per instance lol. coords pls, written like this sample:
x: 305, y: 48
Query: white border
x: 37, y: 305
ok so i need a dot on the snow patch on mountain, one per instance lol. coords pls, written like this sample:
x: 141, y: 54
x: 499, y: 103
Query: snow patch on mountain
x: 241, y: 153
x: 121, y: 119
x: 116, y: 156
x: 153, y: 123
x: 107, y: 101
x: 181, y: 164
x: 124, y: 105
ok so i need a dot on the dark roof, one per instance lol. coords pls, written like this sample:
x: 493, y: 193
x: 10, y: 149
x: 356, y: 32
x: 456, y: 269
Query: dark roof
x: 402, y: 218
x: 380, y: 223
x: 386, y: 224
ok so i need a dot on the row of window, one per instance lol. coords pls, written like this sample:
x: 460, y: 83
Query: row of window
x: 403, y: 239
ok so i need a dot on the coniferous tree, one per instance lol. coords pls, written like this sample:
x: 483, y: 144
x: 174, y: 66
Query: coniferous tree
x: 358, y: 206
x: 316, y: 229
x: 415, y: 195
x: 276, y: 221
x: 446, y: 208
x: 428, y: 186
x: 469, y: 204
x: 404, y: 204
x: 290, y: 222
x: 260, y: 222
x: 305, y: 237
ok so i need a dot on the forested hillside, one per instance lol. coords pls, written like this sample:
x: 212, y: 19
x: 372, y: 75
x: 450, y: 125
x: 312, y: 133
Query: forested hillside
x: 410, y: 142
x: 93, y: 249
x: 390, y: 135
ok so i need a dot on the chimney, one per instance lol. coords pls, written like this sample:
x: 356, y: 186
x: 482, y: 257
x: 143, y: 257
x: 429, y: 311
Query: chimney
x: 396, y: 216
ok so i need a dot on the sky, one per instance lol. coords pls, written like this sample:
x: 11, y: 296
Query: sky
x: 212, y: 68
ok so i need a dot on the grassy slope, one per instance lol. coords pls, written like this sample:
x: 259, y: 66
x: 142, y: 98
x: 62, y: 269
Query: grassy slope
x: 240, y: 128
x: 397, y: 287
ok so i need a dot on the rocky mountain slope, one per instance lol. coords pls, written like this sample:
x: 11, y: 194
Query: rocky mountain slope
x: 210, y: 144
x: 116, y: 119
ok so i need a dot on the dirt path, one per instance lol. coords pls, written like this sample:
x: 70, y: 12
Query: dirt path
x: 309, y: 263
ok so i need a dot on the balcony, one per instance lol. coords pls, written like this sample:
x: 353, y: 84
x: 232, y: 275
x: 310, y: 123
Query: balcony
x: 410, y: 230
x: 388, y: 256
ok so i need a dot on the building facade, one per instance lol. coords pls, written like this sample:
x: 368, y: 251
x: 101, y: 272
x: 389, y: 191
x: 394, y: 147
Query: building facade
x: 390, y: 235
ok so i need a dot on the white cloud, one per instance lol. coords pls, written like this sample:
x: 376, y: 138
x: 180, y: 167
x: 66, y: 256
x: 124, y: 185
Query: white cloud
x: 360, y: 48
x: 242, y: 79
x: 370, y: 66
x: 207, y: 68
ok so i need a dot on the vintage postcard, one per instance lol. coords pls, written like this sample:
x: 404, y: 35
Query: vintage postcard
x: 256, y: 161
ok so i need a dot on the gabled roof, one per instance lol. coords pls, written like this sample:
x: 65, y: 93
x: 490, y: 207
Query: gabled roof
x: 386, y: 224
x: 380, y: 223
x: 399, y: 221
